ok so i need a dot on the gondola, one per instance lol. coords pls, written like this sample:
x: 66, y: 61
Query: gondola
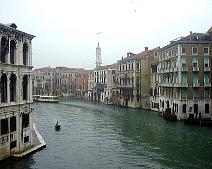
x: 57, y: 126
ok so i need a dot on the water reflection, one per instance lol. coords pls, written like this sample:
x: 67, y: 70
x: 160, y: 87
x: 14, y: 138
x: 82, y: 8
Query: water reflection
x: 25, y: 163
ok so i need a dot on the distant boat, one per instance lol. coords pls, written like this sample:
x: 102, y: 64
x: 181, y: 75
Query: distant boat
x: 47, y: 99
x: 57, y: 126
x: 108, y: 103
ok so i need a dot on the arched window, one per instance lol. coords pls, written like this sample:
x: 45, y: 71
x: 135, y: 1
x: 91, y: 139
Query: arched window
x: 25, y: 54
x: 12, y: 51
x: 3, y: 85
x: 25, y: 87
x: 12, y: 87
x: 4, y: 49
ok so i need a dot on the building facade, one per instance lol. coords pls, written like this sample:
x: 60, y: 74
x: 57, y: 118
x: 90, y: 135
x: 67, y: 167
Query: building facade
x: 128, y: 75
x: 101, y: 81
x: 185, y: 76
x: 60, y: 81
x: 154, y: 83
x: 16, y: 91
x: 134, y: 79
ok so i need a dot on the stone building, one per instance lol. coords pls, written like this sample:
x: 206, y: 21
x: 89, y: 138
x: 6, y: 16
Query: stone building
x: 101, y: 81
x: 134, y: 79
x: 154, y: 83
x: 185, y: 76
x: 16, y: 91
x: 60, y: 81
x: 42, y: 81
x: 82, y: 83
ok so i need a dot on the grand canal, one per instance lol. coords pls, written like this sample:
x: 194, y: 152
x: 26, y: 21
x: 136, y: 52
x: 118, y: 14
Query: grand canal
x: 97, y: 136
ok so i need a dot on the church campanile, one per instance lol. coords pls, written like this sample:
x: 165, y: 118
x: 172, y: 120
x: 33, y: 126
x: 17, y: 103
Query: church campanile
x: 98, y: 57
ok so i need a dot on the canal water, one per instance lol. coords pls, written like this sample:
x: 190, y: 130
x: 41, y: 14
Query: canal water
x: 97, y: 136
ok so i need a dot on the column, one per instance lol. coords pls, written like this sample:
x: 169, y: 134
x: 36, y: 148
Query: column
x: 17, y: 90
x: 20, y: 95
x: 16, y: 54
x: 8, y: 88
x: 30, y: 88
x: 7, y: 57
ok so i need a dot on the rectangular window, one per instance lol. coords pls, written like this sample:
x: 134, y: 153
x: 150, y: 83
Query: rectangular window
x: 4, y: 126
x: 138, y: 66
x: 195, y: 78
x: 184, y: 108
x: 206, y: 62
x: 206, y: 51
x: 13, y: 144
x: 25, y: 120
x: 206, y: 93
x: 183, y: 50
x: 183, y: 78
x: 195, y: 93
x: 26, y: 139
x: 206, y: 78
x: 195, y: 62
x: 206, y: 108
x: 13, y: 124
x: 184, y: 93
x: 194, y: 51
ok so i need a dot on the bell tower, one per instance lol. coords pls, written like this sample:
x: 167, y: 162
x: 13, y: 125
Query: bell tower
x: 98, y: 56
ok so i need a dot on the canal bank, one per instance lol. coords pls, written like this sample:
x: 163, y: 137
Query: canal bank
x: 38, y: 144
x: 94, y: 135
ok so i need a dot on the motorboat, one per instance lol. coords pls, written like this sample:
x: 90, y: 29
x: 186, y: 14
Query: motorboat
x: 47, y: 99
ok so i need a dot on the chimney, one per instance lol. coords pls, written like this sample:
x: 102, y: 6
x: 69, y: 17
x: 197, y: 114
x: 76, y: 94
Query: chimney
x: 190, y: 32
x: 146, y: 48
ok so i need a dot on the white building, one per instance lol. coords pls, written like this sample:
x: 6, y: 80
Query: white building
x: 16, y: 91
x: 101, y: 80
x: 100, y: 83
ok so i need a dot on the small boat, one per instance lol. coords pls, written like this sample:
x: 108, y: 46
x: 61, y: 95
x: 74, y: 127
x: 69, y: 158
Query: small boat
x: 48, y: 99
x: 57, y: 126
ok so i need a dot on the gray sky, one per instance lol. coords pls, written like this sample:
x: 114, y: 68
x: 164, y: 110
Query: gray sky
x: 66, y: 30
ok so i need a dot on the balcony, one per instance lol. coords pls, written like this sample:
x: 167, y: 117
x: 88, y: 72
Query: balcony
x: 195, y: 97
x: 195, y: 69
x: 207, y: 69
x: 196, y: 84
x: 183, y: 98
x: 165, y: 84
x: 167, y: 70
x: 173, y: 69
x: 207, y: 84
x: 184, y: 69
x: 125, y: 86
x: 161, y: 70
x: 180, y: 84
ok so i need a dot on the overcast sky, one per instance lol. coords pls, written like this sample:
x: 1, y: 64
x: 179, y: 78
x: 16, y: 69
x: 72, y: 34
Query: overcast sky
x: 66, y: 30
